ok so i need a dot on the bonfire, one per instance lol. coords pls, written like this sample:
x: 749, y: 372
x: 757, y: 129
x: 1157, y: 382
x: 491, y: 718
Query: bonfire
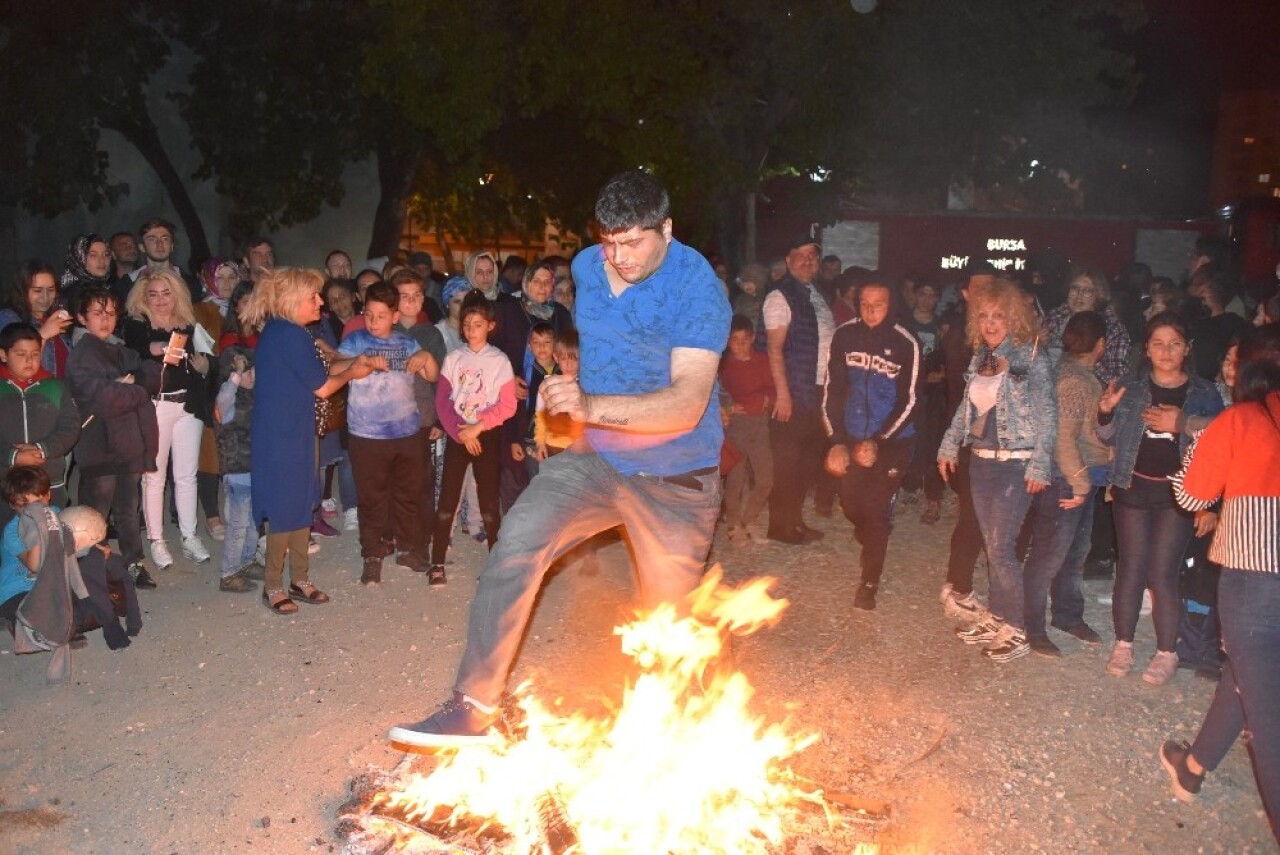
x: 682, y: 765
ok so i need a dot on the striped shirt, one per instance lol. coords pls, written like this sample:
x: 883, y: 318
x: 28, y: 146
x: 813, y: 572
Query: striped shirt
x: 1237, y: 459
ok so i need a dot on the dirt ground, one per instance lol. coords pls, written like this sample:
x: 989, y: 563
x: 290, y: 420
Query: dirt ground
x: 227, y: 728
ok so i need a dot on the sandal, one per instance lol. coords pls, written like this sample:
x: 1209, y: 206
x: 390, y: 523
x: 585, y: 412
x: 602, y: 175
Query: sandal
x: 308, y: 593
x: 278, y: 601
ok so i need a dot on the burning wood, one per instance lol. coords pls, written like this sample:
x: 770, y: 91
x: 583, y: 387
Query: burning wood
x: 681, y: 766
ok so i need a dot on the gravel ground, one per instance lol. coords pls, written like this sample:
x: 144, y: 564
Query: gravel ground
x: 226, y: 728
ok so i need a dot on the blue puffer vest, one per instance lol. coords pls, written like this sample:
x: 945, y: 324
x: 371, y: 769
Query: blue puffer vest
x: 1124, y: 431
x: 800, y: 351
x: 1026, y: 409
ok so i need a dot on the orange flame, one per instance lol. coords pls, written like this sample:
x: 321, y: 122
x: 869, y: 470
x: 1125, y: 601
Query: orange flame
x: 679, y: 767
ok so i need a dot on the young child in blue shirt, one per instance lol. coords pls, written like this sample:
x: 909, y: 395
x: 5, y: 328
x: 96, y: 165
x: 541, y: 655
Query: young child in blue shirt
x: 383, y: 422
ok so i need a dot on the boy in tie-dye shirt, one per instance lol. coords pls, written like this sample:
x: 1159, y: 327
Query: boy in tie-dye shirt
x: 386, y: 450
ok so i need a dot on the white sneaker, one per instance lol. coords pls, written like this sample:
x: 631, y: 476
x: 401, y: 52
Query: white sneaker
x: 160, y: 555
x: 313, y: 545
x: 351, y: 519
x: 329, y: 507
x: 966, y: 608
x: 1121, y: 661
x: 193, y: 548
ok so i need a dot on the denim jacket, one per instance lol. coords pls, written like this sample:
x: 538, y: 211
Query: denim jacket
x: 1026, y: 409
x: 1124, y: 431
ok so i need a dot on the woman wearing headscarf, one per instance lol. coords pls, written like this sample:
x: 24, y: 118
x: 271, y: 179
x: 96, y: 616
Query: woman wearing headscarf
x: 33, y: 299
x: 88, y: 262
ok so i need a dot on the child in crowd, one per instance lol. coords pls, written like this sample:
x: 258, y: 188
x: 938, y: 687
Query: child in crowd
x: 44, y: 617
x: 119, y: 438
x: 383, y: 420
x: 519, y: 429
x: 233, y: 413
x: 552, y: 434
x: 104, y: 576
x: 411, y: 288
x: 745, y: 377
x: 39, y: 421
x: 475, y: 395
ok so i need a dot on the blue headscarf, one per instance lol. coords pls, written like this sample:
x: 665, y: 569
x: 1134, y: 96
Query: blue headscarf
x: 453, y: 286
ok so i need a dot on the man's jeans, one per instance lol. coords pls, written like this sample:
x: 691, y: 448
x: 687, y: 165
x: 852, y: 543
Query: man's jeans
x: 574, y: 496
x: 240, y: 544
x: 1001, y: 501
x: 1059, y: 543
x: 1248, y: 694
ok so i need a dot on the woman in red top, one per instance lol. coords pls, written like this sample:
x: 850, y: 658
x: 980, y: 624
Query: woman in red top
x: 1237, y: 460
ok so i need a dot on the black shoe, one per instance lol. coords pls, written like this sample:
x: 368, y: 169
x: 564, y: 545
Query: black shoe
x: 793, y: 537
x: 1096, y: 568
x: 1173, y: 757
x: 372, y: 574
x: 458, y: 722
x: 865, y: 599
x: 78, y: 642
x: 810, y: 535
x: 1042, y: 645
x: 141, y: 578
x: 416, y: 563
x: 1081, y: 631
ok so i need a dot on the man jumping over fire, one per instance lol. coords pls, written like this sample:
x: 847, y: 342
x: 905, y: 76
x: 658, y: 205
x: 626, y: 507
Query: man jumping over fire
x: 654, y: 321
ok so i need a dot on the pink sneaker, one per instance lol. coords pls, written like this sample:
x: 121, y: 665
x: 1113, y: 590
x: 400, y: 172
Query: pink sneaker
x: 321, y: 527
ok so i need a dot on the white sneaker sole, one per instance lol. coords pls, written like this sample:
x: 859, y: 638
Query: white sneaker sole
x: 406, y: 735
x: 191, y: 556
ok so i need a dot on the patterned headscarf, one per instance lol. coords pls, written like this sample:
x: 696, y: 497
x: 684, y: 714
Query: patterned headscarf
x: 452, y: 287
x: 77, y: 252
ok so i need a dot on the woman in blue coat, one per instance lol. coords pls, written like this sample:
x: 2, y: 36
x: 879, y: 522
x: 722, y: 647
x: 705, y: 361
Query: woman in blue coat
x: 290, y: 379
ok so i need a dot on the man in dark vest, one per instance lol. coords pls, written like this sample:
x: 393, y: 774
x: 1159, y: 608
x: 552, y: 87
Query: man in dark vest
x: 796, y: 334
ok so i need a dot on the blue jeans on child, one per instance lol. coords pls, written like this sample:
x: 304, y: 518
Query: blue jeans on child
x: 1055, y: 566
x: 240, y: 543
x: 574, y: 496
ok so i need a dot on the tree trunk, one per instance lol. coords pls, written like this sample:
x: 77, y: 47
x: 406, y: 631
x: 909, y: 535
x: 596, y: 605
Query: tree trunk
x: 397, y: 165
x: 141, y: 132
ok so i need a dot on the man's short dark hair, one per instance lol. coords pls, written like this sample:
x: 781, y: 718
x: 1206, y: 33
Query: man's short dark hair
x: 157, y: 223
x: 256, y: 240
x: 514, y: 262
x: 330, y: 256
x: 541, y: 328
x: 112, y: 239
x: 741, y: 323
x: 384, y: 293
x: 632, y: 199
x: 1217, y: 279
x: 22, y: 481
x: 16, y: 332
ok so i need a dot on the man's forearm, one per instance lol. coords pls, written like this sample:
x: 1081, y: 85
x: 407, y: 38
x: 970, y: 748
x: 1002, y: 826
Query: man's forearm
x: 677, y: 407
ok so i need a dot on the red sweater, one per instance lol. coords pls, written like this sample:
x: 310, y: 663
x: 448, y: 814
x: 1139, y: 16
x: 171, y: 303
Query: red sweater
x: 749, y: 382
x: 1237, y: 458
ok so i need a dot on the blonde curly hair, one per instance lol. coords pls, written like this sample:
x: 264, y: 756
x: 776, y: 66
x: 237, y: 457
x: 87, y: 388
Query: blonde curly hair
x: 278, y: 294
x: 1006, y: 295
x: 136, y: 304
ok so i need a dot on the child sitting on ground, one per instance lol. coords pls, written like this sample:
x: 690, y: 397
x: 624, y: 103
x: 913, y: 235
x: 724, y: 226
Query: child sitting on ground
x: 475, y: 396
x: 383, y: 422
x: 105, y: 578
x: 745, y: 377
x: 39, y: 422
x: 44, y: 618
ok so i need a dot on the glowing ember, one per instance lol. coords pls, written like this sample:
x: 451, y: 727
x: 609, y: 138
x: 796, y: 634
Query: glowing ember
x: 682, y: 766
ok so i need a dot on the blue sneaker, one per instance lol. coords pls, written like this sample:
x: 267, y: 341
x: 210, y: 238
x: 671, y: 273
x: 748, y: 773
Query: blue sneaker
x: 457, y: 723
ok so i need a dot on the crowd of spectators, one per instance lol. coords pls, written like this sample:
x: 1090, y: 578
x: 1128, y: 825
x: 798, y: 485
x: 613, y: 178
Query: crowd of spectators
x: 1061, y: 409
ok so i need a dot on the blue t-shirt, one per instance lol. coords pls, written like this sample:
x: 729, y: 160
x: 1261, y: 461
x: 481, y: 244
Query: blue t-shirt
x: 382, y: 405
x: 15, y: 578
x: 626, y: 344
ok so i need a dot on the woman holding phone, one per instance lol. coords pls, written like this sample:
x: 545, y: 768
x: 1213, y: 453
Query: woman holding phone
x: 160, y: 326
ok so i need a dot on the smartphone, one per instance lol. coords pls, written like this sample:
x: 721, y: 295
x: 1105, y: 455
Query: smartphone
x: 176, y: 348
